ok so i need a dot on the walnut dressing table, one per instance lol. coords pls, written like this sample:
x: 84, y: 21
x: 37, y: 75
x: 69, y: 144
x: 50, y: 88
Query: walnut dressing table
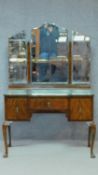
x: 50, y: 73
x: 77, y: 104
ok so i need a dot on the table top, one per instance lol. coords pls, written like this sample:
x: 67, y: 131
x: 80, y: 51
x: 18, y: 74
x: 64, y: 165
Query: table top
x: 49, y: 92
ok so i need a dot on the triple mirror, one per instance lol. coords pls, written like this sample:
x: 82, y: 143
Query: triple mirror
x: 51, y: 57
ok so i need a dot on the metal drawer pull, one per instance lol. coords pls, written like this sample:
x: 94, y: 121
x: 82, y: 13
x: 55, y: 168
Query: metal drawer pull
x: 17, y: 109
x: 48, y: 104
x: 80, y: 110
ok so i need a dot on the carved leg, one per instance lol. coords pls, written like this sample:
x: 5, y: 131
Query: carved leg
x: 4, y: 130
x: 9, y: 132
x: 91, y: 140
x: 89, y: 134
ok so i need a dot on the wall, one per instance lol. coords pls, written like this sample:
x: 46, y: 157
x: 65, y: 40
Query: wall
x: 16, y: 16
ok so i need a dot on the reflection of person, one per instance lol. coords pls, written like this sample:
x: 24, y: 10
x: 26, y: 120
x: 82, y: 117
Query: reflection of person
x: 49, y: 34
x: 81, y: 66
x: 81, y: 69
x: 85, y: 69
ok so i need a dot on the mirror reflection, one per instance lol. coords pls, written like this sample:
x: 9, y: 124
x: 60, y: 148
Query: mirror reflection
x: 17, y: 49
x: 80, y: 58
x: 48, y: 57
x: 49, y: 52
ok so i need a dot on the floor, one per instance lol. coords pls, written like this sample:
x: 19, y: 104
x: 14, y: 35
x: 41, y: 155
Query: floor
x: 29, y: 157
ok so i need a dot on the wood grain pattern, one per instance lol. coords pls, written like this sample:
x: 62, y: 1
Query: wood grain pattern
x: 16, y: 108
x: 20, y: 108
x: 48, y: 104
x: 81, y: 109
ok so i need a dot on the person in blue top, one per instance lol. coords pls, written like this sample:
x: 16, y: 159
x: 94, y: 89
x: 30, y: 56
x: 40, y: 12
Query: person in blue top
x: 49, y: 34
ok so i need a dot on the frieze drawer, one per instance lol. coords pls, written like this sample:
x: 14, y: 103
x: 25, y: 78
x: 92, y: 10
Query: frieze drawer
x: 48, y: 104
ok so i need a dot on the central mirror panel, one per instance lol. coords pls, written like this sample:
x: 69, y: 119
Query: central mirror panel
x: 49, y: 54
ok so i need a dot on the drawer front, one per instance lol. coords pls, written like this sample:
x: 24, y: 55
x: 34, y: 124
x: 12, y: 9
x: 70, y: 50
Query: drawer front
x: 48, y: 104
x: 81, y: 108
x: 16, y: 108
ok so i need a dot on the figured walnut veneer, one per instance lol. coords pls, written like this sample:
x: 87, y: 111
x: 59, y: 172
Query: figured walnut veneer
x: 78, y: 108
x: 81, y: 109
x: 21, y: 108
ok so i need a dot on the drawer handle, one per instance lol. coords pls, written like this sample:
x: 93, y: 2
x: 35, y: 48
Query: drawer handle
x: 17, y: 109
x: 48, y: 104
x: 80, y: 110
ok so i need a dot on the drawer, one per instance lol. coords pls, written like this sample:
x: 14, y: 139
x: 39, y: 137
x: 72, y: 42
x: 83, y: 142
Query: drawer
x: 48, y: 104
x: 81, y: 108
x: 16, y: 108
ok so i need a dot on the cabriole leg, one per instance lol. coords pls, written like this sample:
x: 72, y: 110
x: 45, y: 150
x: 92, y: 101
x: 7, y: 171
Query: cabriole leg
x: 9, y: 133
x: 91, y: 139
x: 4, y: 130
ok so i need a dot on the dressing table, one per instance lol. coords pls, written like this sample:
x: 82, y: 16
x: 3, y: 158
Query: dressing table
x: 54, y: 81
